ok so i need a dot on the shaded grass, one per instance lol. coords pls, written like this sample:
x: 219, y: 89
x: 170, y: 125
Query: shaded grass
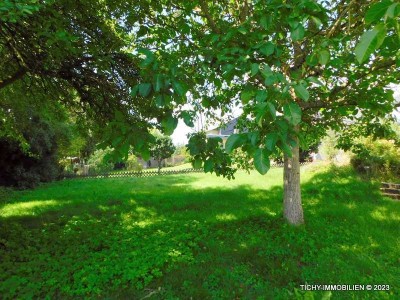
x: 199, y: 236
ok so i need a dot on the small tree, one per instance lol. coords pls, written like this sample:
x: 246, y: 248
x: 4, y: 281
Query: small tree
x: 161, y: 149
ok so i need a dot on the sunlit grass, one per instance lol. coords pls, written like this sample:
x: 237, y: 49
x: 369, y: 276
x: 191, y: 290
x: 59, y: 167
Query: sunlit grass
x: 30, y: 208
x: 197, y: 236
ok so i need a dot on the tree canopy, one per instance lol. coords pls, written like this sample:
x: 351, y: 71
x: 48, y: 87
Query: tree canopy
x: 162, y: 148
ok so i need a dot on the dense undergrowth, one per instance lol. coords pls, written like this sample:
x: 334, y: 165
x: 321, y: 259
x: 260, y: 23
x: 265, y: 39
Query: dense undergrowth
x: 195, y: 235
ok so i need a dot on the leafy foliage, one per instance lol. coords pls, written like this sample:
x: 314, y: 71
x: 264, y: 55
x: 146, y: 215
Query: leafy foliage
x: 377, y: 158
x: 162, y: 148
x: 99, y: 161
x: 25, y: 169
x: 211, y: 152
x: 132, y: 163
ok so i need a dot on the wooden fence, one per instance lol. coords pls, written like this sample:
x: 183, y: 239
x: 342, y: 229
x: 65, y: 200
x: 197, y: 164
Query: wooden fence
x: 144, y: 173
x: 134, y: 174
x: 391, y: 190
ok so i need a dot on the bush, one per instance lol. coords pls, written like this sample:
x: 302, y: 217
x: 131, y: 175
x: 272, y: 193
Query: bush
x: 98, y: 163
x: 132, y: 164
x: 26, y: 168
x: 379, y: 158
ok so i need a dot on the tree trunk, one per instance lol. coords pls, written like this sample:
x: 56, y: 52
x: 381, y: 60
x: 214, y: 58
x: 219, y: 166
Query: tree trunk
x: 159, y: 166
x: 292, y: 208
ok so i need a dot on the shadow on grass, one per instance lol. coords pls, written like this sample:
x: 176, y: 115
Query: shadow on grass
x: 164, y: 238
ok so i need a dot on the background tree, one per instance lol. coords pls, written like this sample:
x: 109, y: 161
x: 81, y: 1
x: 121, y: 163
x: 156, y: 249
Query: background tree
x: 161, y: 149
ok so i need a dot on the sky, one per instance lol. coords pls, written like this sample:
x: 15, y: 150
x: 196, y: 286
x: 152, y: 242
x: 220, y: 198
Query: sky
x: 180, y: 133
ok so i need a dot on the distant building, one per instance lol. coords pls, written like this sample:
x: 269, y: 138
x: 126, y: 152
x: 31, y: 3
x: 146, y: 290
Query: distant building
x: 224, y: 130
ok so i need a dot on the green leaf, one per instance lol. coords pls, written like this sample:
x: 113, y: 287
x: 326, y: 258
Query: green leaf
x: 369, y: 42
x: 145, y: 153
x: 254, y: 69
x: 267, y: 49
x: 264, y: 22
x: 292, y: 112
x: 261, y: 161
x: 297, y: 33
x: 116, y: 141
x: 160, y: 100
x: 246, y: 96
x: 119, y: 117
x: 272, y: 110
x: 169, y: 124
x: 208, y: 165
x: 159, y: 79
x: 270, y: 140
x: 242, y: 30
x: 187, y: 118
x: 312, y: 60
x: 377, y: 11
x: 260, y: 109
x: 270, y: 80
x: 301, y: 91
x: 144, y: 89
x: 393, y: 11
x: 266, y: 71
x: 261, y: 95
x: 323, y: 56
x: 197, y: 163
x: 315, y: 80
x: 285, y: 148
x: 283, y: 126
x: 134, y: 90
x: 254, y: 137
x: 149, y: 57
x: 179, y: 88
x: 234, y: 141
x: 317, y: 21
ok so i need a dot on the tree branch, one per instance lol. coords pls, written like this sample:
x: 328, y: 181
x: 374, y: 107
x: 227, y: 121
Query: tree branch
x: 339, y: 19
x: 206, y: 13
x: 14, y: 77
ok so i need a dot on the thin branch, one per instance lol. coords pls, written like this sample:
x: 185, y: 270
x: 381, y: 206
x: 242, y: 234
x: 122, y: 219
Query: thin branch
x: 339, y: 19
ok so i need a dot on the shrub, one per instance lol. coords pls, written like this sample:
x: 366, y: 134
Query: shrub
x: 26, y: 168
x: 98, y: 161
x: 132, y: 164
x: 379, y: 158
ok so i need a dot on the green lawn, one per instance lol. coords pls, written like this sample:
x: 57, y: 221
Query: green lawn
x: 199, y: 236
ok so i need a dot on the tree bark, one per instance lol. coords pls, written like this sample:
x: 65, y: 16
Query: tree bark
x: 292, y: 208
x: 159, y: 166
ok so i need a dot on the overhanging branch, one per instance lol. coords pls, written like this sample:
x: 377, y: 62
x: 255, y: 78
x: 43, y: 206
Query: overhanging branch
x: 14, y: 77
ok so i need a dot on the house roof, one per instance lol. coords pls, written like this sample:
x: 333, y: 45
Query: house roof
x: 226, y: 129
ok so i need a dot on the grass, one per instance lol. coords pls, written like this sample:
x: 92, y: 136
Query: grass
x: 198, y: 236
x: 179, y: 167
